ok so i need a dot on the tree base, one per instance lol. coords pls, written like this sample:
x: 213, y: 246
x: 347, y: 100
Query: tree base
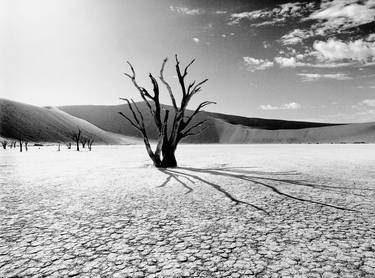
x: 169, y: 161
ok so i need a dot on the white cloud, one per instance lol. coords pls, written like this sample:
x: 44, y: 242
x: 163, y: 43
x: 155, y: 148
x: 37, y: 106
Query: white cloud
x: 331, y: 54
x: 368, y: 102
x: 254, y: 64
x: 292, y: 105
x: 342, y: 14
x: 318, y: 76
x: 196, y: 40
x: 296, y: 36
x: 186, y: 11
x: 334, y: 50
x: 220, y: 12
x: 285, y: 62
x: 286, y: 106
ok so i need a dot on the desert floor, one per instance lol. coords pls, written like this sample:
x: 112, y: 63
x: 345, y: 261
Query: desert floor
x: 228, y: 211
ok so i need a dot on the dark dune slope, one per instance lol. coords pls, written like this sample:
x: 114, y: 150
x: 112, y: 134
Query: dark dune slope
x: 222, y: 128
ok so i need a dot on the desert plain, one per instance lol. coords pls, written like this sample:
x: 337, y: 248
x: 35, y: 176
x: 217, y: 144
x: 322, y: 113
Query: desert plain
x: 280, y: 210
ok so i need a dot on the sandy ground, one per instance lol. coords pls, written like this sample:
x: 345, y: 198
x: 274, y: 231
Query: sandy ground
x: 228, y: 211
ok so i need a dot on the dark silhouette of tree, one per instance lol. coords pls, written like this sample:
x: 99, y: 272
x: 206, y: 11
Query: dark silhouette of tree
x: 77, y: 137
x: 182, y: 126
x: 4, y: 143
x: 83, y: 141
x: 13, y: 144
x: 90, y: 141
x: 26, y: 144
x: 20, y: 143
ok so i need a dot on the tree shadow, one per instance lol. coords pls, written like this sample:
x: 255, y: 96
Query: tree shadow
x: 175, y: 174
x: 254, y: 177
x: 176, y: 177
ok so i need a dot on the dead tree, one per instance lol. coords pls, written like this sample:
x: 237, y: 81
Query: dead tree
x: 4, y: 144
x: 181, y: 126
x: 83, y: 141
x: 77, y: 137
x: 20, y: 142
x: 90, y: 141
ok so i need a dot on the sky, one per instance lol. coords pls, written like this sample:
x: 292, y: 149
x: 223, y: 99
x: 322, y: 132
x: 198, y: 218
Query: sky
x: 294, y: 60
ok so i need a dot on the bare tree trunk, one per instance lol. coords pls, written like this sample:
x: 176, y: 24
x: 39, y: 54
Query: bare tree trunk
x: 58, y: 148
x: 4, y: 144
x: 90, y: 142
x: 20, y: 142
x: 26, y: 143
x: 169, y: 158
x: 77, y: 137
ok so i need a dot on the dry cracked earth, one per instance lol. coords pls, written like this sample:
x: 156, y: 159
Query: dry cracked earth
x: 186, y: 222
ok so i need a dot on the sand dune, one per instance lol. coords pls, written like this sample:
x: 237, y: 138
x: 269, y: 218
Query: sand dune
x: 222, y: 128
x: 49, y: 124
x: 52, y: 124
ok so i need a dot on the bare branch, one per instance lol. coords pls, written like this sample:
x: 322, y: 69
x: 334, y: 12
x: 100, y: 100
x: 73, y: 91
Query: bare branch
x: 193, y: 126
x: 142, y: 121
x: 186, y: 68
x: 132, y: 69
x: 161, y: 77
x: 156, y: 87
x: 197, y: 110
x: 130, y: 121
x: 194, y: 133
x: 197, y: 87
x: 180, y: 77
x: 132, y: 110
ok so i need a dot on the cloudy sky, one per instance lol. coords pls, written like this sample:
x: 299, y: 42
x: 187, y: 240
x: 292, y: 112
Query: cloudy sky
x: 304, y: 60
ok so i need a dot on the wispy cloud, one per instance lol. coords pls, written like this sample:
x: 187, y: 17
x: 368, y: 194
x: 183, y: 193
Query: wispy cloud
x: 253, y: 64
x: 186, y: 11
x: 296, y: 36
x: 316, y: 76
x: 286, y: 106
x: 272, y: 16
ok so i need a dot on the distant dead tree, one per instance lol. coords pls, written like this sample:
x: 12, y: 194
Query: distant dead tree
x: 4, y: 143
x: 83, y: 141
x: 20, y: 143
x: 77, y: 137
x: 90, y: 141
x: 168, y: 137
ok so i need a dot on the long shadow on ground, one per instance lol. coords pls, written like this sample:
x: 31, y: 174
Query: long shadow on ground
x: 260, y: 178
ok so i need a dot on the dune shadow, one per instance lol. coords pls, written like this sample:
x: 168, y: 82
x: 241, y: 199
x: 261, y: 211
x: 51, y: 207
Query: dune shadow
x: 247, y: 174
